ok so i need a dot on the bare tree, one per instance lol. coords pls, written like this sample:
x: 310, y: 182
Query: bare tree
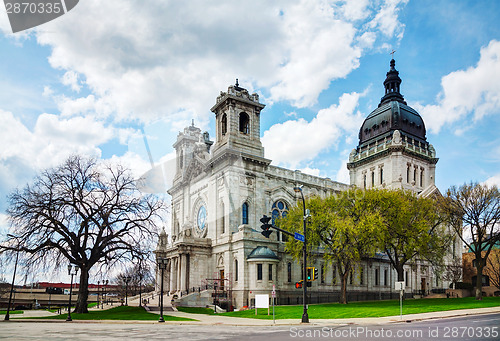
x: 139, y: 278
x: 453, y: 271
x: 475, y: 209
x: 86, y: 213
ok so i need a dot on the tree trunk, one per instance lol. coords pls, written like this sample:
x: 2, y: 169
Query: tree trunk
x: 83, y: 292
x: 343, y: 287
x: 401, y: 274
x: 479, y: 278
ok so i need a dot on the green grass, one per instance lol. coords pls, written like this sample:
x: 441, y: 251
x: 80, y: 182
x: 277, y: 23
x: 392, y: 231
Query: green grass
x: 3, y: 312
x: 194, y: 310
x: 370, y: 308
x: 91, y: 305
x: 117, y: 313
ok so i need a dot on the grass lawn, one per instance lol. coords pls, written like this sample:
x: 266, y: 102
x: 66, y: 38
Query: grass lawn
x: 3, y: 312
x: 370, y: 308
x: 118, y: 313
x: 195, y: 310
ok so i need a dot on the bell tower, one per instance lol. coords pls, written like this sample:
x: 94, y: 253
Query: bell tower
x: 237, y: 116
x: 393, y: 151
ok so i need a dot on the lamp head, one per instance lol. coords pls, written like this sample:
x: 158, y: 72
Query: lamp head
x: 297, y: 189
x: 69, y: 269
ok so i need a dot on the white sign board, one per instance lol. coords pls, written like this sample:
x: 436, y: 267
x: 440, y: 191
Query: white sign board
x: 262, y: 301
x: 399, y: 286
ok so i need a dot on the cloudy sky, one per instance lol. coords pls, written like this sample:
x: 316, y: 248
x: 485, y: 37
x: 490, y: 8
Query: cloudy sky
x: 93, y: 80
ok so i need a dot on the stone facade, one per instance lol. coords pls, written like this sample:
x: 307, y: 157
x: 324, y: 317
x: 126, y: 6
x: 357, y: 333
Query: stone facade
x: 222, y: 189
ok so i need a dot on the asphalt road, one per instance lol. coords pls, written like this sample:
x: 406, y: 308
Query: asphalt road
x: 478, y: 327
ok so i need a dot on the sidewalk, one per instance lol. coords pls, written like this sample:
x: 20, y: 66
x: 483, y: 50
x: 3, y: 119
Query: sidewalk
x: 240, y: 321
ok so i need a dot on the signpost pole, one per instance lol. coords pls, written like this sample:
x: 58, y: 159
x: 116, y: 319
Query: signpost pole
x: 273, y: 298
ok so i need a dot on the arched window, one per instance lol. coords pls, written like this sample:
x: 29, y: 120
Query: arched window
x: 236, y: 270
x: 364, y: 181
x: 222, y: 219
x: 279, y: 210
x: 181, y: 159
x: 289, y: 270
x: 223, y: 124
x: 244, y: 213
x: 244, y: 123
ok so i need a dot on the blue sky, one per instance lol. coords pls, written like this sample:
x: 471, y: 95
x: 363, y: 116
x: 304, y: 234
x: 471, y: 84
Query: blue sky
x: 88, y: 81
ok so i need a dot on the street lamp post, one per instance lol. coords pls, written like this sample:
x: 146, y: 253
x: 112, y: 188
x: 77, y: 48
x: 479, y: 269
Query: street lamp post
x: 104, y: 297
x: 162, y: 265
x: 98, y: 282
x: 140, y: 287
x: 127, y: 279
x: 305, y: 316
x: 7, y: 315
x: 71, y: 288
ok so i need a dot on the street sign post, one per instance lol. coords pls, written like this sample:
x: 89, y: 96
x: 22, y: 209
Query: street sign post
x: 299, y: 237
x: 273, y: 298
x: 401, y: 287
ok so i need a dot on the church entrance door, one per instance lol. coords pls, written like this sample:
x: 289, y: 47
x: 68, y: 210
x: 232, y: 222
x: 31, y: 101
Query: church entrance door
x: 221, y: 272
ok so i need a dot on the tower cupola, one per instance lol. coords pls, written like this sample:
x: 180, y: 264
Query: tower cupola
x: 392, y: 85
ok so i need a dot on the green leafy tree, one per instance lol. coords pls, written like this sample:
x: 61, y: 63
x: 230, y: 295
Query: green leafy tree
x: 475, y: 211
x: 412, y: 227
x: 84, y: 213
x: 341, y: 229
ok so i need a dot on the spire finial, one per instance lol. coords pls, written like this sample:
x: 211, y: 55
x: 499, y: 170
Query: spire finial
x: 393, y: 62
x: 192, y: 123
x: 237, y: 84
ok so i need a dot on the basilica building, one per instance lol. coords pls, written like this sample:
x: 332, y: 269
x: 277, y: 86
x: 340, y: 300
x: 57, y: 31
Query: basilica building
x: 222, y: 188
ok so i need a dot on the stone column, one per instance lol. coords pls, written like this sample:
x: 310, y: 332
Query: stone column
x: 173, y: 275
x: 179, y: 273
x: 182, y: 267
x: 168, y: 275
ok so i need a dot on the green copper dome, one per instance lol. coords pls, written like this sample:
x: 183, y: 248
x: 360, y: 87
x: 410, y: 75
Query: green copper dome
x: 262, y: 252
x: 392, y: 114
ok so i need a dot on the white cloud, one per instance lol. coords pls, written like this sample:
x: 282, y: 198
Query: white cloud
x: 172, y: 58
x: 310, y: 171
x: 355, y: 10
x: 70, y: 79
x: 494, y: 180
x: 475, y: 92
x: 52, y: 140
x: 295, y: 141
x: 343, y: 174
x: 387, y: 20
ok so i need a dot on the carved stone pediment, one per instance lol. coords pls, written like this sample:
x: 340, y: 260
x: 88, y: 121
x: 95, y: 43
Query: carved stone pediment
x: 195, y: 168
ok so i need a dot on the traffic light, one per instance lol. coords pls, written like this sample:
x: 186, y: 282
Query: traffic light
x: 310, y: 274
x: 266, y: 227
x: 298, y: 285
x: 315, y: 274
